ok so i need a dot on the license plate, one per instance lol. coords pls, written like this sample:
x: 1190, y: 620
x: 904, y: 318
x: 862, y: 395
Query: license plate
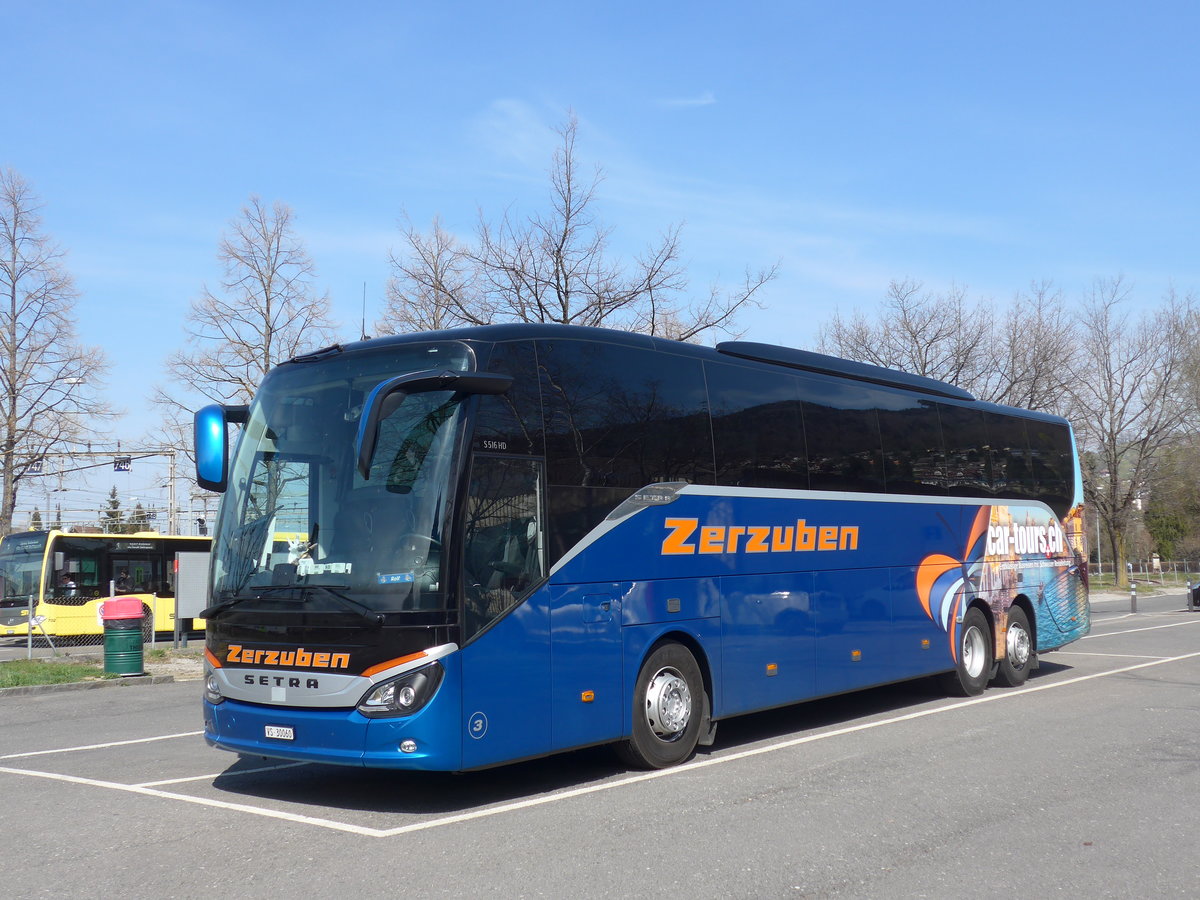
x: 280, y: 732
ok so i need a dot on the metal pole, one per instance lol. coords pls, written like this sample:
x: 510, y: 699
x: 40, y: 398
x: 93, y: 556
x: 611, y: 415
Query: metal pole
x: 172, y: 525
x: 1133, y: 597
x: 29, y: 629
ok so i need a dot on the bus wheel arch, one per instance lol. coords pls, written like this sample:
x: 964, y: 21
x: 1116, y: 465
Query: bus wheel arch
x: 1019, y: 642
x: 973, y: 669
x: 671, y: 706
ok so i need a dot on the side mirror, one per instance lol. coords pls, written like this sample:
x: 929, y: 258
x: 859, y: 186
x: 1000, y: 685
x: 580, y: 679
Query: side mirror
x: 388, y: 395
x: 212, y: 444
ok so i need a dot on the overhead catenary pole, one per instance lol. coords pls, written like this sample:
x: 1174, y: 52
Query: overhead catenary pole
x: 172, y: 525
x: 90, y: 459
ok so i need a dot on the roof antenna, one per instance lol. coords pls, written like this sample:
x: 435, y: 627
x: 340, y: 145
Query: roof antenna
x: 363, y: 331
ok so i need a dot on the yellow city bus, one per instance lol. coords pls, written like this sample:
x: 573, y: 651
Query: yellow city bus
x: 68, y: 576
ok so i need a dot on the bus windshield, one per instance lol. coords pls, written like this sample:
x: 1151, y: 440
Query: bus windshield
x: 21, y: 564
x: 300, y: 524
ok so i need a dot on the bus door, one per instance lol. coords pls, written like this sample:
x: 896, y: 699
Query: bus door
x: 505, y: 616
x: 586, y: 650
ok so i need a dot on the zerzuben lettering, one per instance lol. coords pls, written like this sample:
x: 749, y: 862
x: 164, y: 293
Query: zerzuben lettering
x: 298, y: 658
x: 682, y: 538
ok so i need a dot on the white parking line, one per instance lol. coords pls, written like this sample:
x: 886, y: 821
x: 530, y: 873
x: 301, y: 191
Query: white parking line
x: 202, y: 801
x: 161, y: 737
x: 1114, y: 655
x: 591, y: 789
x: 1094, y: 635
x: 217, y: 775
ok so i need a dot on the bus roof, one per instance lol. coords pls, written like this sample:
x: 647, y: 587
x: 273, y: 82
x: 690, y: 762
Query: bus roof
x: 727, y: 351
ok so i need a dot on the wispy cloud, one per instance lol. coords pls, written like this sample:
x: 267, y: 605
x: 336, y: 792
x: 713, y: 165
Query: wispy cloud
x: 517, y: 131
x: 708, y: 98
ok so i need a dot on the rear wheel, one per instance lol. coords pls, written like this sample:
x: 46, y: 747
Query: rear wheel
x: 1018, y: 650
x: 667, y: 710
x: 974, y: 668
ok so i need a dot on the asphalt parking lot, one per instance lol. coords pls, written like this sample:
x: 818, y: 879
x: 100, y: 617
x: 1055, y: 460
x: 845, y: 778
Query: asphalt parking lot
x: 1083, y: 784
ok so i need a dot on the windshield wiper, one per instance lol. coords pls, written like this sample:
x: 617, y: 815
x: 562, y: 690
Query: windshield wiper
x: 218, y: 608
x: 302, y: 591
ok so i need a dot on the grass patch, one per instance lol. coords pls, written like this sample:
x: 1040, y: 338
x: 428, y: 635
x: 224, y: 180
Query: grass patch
x: 24, y: 672
x: 1146, y: 585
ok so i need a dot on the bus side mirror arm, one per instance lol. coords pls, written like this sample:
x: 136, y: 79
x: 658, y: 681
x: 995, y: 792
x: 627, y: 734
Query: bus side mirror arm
x: 211, y: 444
x: 388, y: 395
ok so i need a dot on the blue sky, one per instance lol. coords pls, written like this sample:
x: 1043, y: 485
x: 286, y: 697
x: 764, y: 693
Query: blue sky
x: 854, y: 143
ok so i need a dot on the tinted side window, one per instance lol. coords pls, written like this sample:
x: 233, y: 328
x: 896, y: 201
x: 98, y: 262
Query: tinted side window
x: 574, y: 511
x: 1053, y: 464
x: 914, y: 460
x: 968, y: 461
x: 503, y: 552
x: 512, y: 422
x: 758, y: 433
x: 841, y: 428
x: 623, y: 416
x: 1012, y: 471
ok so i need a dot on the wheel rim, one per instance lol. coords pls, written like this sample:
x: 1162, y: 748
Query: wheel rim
x: 974, y: 652
x: 668, y: 704
x: 1019, y: 646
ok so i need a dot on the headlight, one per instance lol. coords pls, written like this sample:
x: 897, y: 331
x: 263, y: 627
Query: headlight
x: 212, y: 690
x: 404, y: 694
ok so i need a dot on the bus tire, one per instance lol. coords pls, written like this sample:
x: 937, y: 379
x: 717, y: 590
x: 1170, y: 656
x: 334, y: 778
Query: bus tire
x: 1018, y: 650
x: 974, y: 668
x: 667, y: 709
x: 147, y: 625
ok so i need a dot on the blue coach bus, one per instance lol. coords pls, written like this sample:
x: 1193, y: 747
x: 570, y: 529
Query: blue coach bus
x: 453, y: 550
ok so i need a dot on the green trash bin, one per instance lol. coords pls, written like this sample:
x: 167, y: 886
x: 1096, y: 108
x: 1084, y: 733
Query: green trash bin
x: 122, y: 636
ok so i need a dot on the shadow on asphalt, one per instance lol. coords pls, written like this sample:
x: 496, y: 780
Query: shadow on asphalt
x: 429, y: 793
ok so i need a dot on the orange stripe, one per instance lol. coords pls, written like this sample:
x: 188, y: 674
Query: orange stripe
x: 953, y: 629
x: 392, y: 663
x: 931, y: 569
x: 982, y: 519
x: 212, y: 658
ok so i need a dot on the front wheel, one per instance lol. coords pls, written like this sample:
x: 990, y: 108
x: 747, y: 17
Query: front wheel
x: 974, y: 667
x: 1018, y: 650
x: 667, y: 710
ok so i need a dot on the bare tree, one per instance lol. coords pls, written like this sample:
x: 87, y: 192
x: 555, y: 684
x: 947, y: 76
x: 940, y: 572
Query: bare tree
x: 1021, y: 360
x: 48, y: 380
x: 265, y: 313
x: 1130, y: 402
x: 1036, y: 346
x: 1171, y: 510
x: 554, y: 267
x: 936, y: 335
x: 431, y: 287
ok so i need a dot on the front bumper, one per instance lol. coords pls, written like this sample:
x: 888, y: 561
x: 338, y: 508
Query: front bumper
x: 343, y: 737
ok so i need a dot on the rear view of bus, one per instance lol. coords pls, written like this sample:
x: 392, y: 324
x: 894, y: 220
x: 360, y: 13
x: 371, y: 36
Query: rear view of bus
x: 460, y: 549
